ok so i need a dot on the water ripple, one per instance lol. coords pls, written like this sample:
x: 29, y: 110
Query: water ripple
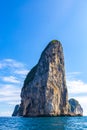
x: 44, y: 123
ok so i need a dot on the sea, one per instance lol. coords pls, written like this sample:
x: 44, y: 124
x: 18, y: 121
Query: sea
x: 43, y: 123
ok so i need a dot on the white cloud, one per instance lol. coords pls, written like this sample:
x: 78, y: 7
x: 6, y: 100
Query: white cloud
x: 23, y: 72
x: 9, y: 93
x: 1, y: 65
x: 12, y: 63
x: 5, y: 113
x: 12, y: 70
x: 10, y: 79
x: 12, y: 75
x: 72, y: 75
x: 77, y: 89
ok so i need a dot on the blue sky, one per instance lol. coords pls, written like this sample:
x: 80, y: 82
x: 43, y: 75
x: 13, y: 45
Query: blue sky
x: 26, y: 27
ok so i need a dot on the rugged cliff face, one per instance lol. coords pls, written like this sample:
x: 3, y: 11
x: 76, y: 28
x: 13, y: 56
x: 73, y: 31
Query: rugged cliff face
x: 75, y: 108
x: 16, y: 110
x: 44, y: 92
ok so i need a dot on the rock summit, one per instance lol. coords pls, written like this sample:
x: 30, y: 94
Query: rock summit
x: 44, y: 92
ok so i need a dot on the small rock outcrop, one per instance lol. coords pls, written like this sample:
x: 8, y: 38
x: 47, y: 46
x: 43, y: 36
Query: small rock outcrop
x: 75, y: 108
x: 16, y: 110
x: 44, y: 92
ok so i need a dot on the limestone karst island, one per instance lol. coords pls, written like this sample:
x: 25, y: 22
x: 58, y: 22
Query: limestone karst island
x: 44, y: 91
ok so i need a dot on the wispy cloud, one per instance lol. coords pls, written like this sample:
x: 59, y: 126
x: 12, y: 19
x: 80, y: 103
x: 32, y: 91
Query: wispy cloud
x: 10, y: 79
x: 12, y: 75
x: 72, y: 75
x: 23, y: 72
x: 75, y: 85
x: 9, y: 93
x: 10, y: 68
x: 5, y: 113
x: 77, y: 89
x: 11, y: 63
x: 1, y: 65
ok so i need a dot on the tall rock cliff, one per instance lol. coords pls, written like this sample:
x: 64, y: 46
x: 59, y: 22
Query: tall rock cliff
x: 44, y: 92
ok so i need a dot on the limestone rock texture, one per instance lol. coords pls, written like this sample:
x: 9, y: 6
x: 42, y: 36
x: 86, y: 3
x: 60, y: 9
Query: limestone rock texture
x: 44, y: 92
x: 16, y: 110
x: 75, y: 108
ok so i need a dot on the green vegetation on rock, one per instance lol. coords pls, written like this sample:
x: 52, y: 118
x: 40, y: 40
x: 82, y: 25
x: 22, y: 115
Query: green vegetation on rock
x: 54, y: 41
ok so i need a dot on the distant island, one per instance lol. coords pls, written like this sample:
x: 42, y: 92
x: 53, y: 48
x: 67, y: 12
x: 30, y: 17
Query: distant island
x: 44, y: 92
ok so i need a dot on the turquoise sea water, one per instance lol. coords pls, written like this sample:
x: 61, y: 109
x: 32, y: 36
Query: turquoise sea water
x: 43, y: 123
